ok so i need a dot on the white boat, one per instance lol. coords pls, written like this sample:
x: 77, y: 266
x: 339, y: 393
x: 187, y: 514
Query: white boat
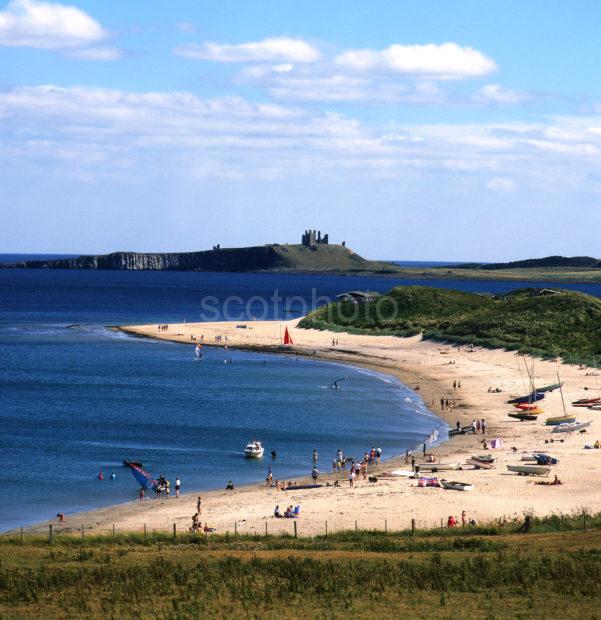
x: 403, y: 473
x: 456, y: 486
x: 530, y: 470
x: 438, y: 466
x: 570, y: 427
x: 595, y: 407
x: 254, y: 449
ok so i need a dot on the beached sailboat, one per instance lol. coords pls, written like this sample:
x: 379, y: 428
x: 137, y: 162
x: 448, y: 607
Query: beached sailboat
x: 565, y: 419
x: 570, y: 427
x: 549, y: 388
x: 586, y: 402
x: 254, y: 449
x: 526, y: 415
x: 481, y: 462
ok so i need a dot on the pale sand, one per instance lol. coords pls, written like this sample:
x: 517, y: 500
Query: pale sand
x: 497, y: 492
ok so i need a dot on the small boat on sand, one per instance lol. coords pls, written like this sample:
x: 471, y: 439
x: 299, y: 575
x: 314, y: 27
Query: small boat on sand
x: 525, y: 415
x: 549, y: 388
x: 562, y: 419
x: 570, y: 427
x: 596, y: 407
x: 456, y: 486
x: 586, y: 402
x: 528, y: 406
x: 254, y: 450
x: 438, y: 466
x: 529, y: 398
x: 402, y: 473
x: 529, y: 470
x: 480, y: 463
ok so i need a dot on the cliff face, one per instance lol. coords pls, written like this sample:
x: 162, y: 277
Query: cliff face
x: 323, y: 258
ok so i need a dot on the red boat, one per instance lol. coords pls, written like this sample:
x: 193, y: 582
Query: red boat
x: 586, y: 402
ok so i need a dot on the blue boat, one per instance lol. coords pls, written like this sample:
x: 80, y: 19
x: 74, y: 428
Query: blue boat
x: 527, y: 399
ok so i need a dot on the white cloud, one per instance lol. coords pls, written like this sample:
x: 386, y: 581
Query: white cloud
x: 46, y: 25
x: 504, y: 186
x: 97, y: 53
x: 446, y: 61
x: 276, y: 49
x: 495, y: 93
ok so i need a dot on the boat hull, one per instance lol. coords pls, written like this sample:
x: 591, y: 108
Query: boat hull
x: 438, y: 466
x: 530, y: 470
x: 571, y: 427
x: 560, y: 420
x: 480, y: 464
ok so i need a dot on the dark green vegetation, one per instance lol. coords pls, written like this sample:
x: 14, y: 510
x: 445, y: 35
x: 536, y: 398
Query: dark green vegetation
x: 549, y: 262
x: 322, y: 257
x: 563, y: 324
x: 480, y: 572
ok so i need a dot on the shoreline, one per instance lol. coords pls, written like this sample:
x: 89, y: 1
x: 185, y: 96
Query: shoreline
x: 434, y: 366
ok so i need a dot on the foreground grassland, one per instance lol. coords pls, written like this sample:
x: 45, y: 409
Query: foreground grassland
x: 480, y: 573
x: 565, y: 324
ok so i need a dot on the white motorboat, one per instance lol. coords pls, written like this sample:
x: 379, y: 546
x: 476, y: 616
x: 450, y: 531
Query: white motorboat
x: 438, y: 466
x: 570, y: 427
x: 456, y: 486
x: 530, y: 470
x: 254, y: 449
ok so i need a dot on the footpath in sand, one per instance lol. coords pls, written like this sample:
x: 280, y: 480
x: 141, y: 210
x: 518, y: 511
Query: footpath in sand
x: 395, y: 501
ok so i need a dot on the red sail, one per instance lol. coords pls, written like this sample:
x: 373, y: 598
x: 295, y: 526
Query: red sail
x: 287, y: 338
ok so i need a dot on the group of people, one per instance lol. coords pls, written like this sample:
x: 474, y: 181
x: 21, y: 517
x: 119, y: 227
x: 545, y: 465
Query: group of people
x: 197, y: 525
x: 446, y: 403
x: 289, y: 513
x: 454, y: 521
x: 162, y: 328
x: 220, y: 338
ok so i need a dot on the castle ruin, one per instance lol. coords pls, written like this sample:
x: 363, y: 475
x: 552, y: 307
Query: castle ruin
x: 312, y: 238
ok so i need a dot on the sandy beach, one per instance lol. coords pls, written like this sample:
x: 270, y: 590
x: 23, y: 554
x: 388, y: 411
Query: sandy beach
x: 394, y: 502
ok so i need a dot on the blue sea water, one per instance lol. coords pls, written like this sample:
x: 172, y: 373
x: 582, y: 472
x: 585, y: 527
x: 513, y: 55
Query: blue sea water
x: 77, y: 398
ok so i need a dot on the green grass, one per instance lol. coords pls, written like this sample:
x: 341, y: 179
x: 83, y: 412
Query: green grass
x: 566, y: 324
x: 478, y: 572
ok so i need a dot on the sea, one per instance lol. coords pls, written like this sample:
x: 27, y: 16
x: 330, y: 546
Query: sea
x: 78, y: 398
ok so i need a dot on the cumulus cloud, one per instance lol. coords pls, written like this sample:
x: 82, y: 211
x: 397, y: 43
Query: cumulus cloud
x: 446, y: 61
x: 275, y: 49
x: 169, y: 132
x: 495, y: 93
x: 46, y: 25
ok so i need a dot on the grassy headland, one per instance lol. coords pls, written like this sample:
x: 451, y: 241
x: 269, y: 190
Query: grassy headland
x: 480, y: 572
x: 564, y: 324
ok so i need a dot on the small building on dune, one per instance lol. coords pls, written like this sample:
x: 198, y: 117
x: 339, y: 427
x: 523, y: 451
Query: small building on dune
x: 358, y: 297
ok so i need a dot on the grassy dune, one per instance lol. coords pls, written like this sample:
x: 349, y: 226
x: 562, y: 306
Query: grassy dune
x: 475, y: 573
x: 566, y: 324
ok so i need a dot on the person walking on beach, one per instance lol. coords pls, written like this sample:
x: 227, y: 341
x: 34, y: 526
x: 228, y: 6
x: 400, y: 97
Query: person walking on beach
x: 454, y: 385
x: 483, y: 426
x: 178, y: 484
x: 413, y: 463
x: 141, y: 496
x: 199, y: 505
x: 378, y: 454
x: 474, y: 426
x: 351, y: 478
x: 314, y: 458
x: 442, y: 403
x: 424, y: 449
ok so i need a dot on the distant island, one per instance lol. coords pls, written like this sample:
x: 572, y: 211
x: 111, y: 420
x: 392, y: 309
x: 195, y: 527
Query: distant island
x: 314, y: 254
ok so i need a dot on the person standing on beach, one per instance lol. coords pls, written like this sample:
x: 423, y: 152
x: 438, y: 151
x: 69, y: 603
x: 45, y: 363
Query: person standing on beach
x: 178, y: 484
x: 314, y: 458
x: 442, y: 403
x: 454, y: 385
x: 483, y: 426
x: 424, y: 449
x: 141, y: 496
x: 413, y: 463
x: 199, y: 505
x: 351, y: 478
x: 314, y: 474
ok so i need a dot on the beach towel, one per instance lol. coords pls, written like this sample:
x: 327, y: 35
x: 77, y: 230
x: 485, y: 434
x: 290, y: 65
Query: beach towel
x: 495, y: 443
x: 428, y: 482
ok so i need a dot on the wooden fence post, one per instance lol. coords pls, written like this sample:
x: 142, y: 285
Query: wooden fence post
x: 50, y: 534
x: 265, y: 528
x: 413, y: 526
x: 355, y: 526
x: 386, y: 526
x: 326, y: 529
x: 145, y: 531
x: 441, y: 527
x: 21, y: 534
x: 113, y: 530
x: 235, y: 529
x: 174, y: 531
x: 82, y: 532
x: 295, y: 531
x: 584, y: 520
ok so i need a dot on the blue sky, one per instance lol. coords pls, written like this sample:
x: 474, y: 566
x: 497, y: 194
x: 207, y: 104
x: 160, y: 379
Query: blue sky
x: 412, y: 130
